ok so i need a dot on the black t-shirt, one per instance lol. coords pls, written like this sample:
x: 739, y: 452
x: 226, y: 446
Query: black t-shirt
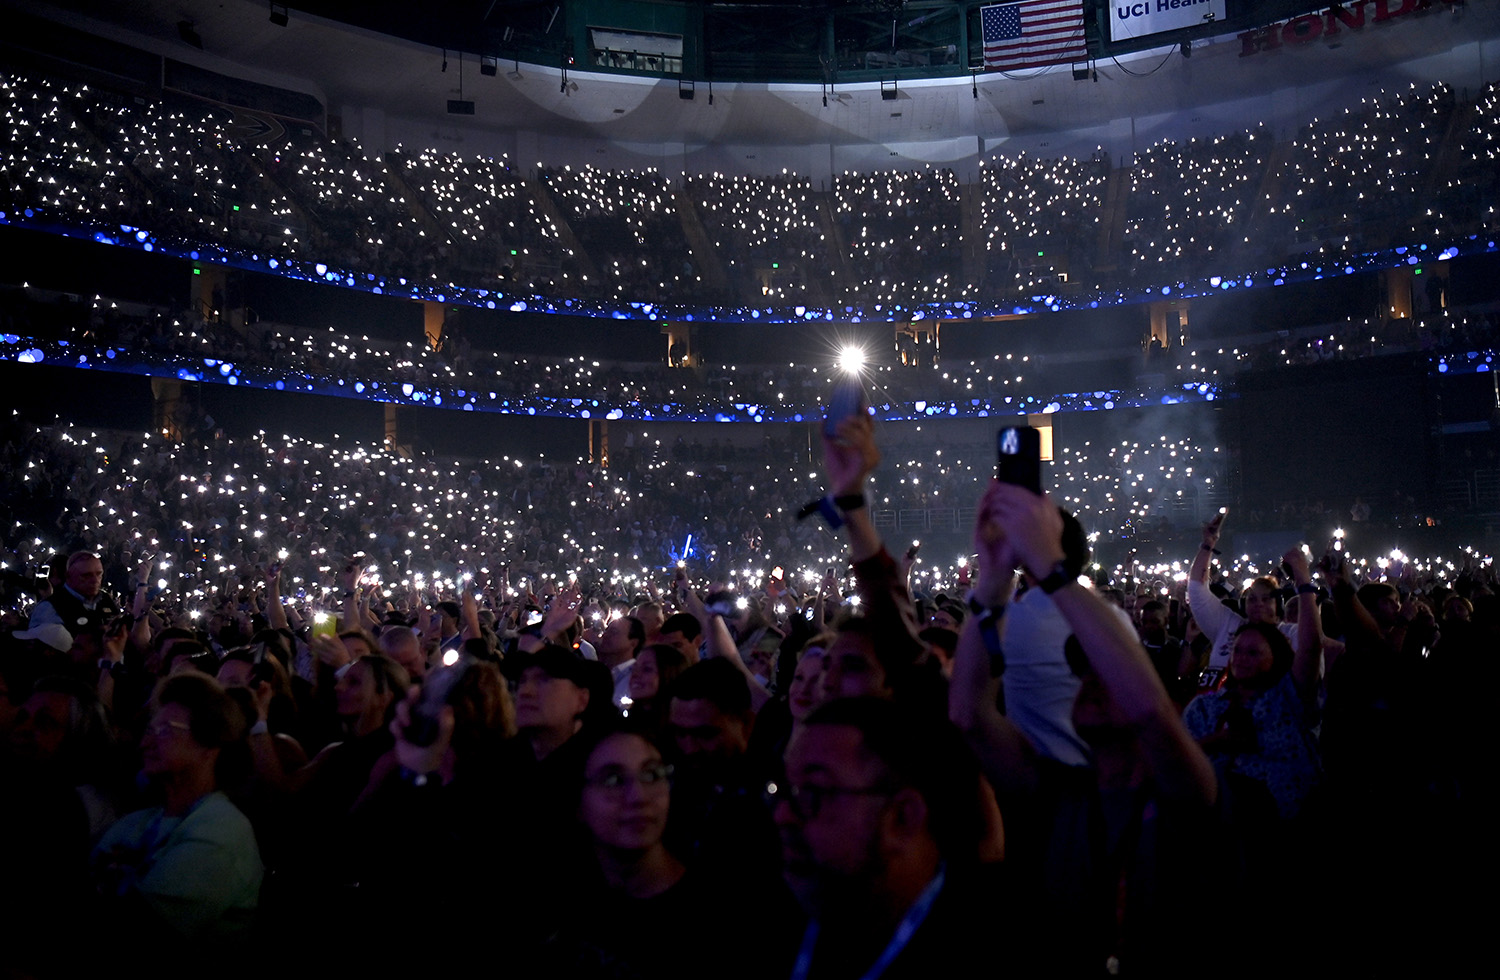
x: 1126, y: 873
x: 705, y: 925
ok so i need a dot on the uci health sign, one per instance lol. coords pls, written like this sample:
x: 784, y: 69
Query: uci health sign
x: 1137, y: 18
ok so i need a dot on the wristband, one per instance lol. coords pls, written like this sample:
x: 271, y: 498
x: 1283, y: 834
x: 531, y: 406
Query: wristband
x: 260, y: 728
x: 849, y: 501
x: 1059, y: 576
x: 824, y: 507
x: 989, y: 631
x: 1211, y: 549
x: 979, y: 609
x: 1308, y: 589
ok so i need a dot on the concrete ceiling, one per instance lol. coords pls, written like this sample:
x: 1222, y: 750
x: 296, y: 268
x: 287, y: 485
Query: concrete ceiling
x: 350, y: 69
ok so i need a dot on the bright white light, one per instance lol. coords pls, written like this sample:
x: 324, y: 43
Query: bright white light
x: 852, y: 359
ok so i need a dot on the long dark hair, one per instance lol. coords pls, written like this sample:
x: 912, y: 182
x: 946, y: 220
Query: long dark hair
x: 1282, y: 653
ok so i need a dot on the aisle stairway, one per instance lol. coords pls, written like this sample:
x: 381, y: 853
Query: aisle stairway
x: 705, y: 256
x: 835, y: 239
x: 547, y: 208
x: 1111, y: 242
x: 971, y: 226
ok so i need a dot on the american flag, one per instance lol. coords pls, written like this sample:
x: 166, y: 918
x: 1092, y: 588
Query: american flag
x: 1033, y: 33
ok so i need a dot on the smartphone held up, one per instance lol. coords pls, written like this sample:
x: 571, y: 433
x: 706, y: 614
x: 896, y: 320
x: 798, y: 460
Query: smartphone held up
x: 1018, y: 457
x: 848, y: 400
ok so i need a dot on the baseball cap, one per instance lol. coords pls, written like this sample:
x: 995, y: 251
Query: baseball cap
x: 54, y: 635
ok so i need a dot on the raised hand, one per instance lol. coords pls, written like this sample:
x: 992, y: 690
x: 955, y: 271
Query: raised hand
x: 329, y: 650
x: 563, y: 611
x: 850, y: 455
x: 421, y: 758
x: 1295, y: 560
x: 1211, y: 530
x: 143, y: 571
x: 1030, y: 525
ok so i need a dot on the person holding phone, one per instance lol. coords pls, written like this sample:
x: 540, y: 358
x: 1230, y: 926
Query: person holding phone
x: 879, y: 653
x: 1110, y: 849
x: 1038, y: 687
x: 1260, y: 725
x: 1218, y: 621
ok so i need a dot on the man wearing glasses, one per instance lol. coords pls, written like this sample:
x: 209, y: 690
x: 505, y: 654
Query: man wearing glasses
x: 881, y: 828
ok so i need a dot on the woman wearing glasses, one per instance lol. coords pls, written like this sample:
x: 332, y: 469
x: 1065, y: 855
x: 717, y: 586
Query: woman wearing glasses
x: 646, y: 913
x: 626, y: 793
x: 190, y: 868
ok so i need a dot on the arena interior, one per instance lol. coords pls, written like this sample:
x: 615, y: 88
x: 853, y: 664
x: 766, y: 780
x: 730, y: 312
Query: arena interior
x: 555, y: 295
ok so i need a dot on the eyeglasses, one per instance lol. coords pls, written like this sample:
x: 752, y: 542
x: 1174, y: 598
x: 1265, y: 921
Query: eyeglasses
x: 615, y: 780
x: 163, y: 729
x: 808, y: 799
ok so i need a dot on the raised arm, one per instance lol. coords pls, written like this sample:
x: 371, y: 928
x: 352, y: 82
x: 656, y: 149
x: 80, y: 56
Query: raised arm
x: 1005, y: 754
x: 716, y: 633
x: 691, y: 602
x: 1204, y: 559
x: 113, y: 650
x: 1033, y: 526
x: 1207, y: 610
x: 562, y: 614
x: 140, y: 610
x: 1309, y: 629
x: 471, y: 630
x: 1361, y: 631
x: 850, y: 457
x: 352, y: 618
x: 368, y: 619
x: 721, y: 644
x: 275, y: 609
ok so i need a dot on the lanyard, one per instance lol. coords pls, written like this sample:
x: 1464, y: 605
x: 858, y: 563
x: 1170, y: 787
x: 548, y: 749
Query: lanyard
x: 904, y: 931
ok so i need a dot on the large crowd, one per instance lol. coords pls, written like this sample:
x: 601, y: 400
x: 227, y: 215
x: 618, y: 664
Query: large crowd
x: 1190, y: 202
x: 699, y: 705
x: 1041, y: 220
x: 622, y: 715
x: 1384, y: 174
x: 215, y: 506
x: 163, y: 340
x: 768, y: 232
x: 1349, y: 183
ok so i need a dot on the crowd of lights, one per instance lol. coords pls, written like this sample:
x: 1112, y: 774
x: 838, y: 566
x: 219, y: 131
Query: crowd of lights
x: 130, y: 338
x: 171, y: 176
x: 1041, y: 217
x: 215, y: 516
x: 1189, y: 201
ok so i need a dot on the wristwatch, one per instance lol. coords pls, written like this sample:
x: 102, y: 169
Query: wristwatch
x: 1059, y: 576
